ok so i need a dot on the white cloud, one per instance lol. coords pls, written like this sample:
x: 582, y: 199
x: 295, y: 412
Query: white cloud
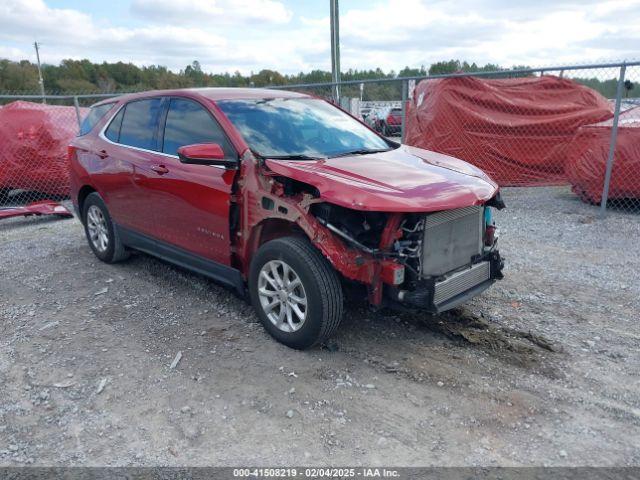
x: 213, y: 12
x: 70, y: 34
x: 395, y: 33
x: 13, y: 52
x: 228, y: 35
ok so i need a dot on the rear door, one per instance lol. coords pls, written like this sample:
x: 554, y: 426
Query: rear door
x: 193, y: 201
x: 132, y: 138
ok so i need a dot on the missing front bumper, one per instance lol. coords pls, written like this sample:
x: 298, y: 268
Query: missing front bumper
x: 437, y: 295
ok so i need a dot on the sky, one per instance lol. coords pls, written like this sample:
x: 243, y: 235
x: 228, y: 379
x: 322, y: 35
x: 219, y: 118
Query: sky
x: 293, y: 35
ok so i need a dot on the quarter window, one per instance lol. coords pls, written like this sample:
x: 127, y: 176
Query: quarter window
x: 95, y: 114
x: 188, y: 123
x: 140, y: 123
x: 113, y: 131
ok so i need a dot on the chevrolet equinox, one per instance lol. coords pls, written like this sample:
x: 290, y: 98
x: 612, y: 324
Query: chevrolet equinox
x: 286, y: 198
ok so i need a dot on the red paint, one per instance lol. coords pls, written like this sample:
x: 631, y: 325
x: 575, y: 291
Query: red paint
x: 403, y: 180
x: 45, y: 207
x: 189, y: 206
x: 202, y: 151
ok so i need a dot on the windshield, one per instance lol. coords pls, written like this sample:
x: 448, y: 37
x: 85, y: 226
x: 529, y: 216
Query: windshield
x: 299, y: 128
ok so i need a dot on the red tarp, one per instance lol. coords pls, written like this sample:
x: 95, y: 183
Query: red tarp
x: 33, y: 147
x: 588, y: 154
x: 517, y: 130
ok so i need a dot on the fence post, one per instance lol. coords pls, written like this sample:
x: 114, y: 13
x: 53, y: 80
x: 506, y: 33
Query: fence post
x: 77, y: 105
x: 612, y: 142
x: 405, y: 97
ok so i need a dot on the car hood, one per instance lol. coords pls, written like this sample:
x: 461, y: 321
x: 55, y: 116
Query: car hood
x: 406, y: 179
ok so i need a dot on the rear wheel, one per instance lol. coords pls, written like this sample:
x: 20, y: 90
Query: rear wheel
x: 296, y: 292
x: 101, y: 234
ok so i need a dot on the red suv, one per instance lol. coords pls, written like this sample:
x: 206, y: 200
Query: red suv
x: 286, y: 197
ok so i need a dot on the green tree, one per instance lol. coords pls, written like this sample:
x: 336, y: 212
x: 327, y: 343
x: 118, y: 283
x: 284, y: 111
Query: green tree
x: 75, y: 76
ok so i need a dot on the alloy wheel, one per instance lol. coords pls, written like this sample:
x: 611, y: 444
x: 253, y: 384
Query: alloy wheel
x: 97, y: 227
x: 282, y: 296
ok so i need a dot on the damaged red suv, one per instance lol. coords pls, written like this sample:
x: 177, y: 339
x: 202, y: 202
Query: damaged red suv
x: 287, y: 198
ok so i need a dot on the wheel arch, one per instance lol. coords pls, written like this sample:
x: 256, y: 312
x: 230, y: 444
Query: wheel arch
x: 272, y: 228
x: 83, y: 193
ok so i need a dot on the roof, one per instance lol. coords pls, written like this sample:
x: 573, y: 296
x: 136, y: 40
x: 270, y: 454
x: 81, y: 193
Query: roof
x: 214, y: 93
x: 246, y: 93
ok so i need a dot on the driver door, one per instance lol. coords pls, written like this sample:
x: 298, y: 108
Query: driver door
x: 193, y: 201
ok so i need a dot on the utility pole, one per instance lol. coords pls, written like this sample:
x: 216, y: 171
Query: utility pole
x: 40, y: 80
x: 335, y: 49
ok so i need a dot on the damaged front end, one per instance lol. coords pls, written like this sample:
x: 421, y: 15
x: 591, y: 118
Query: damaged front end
x: 432, y: 261
x: 434, y: 255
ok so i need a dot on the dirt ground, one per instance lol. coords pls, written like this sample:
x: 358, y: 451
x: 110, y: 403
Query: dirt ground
x: 542, y: 369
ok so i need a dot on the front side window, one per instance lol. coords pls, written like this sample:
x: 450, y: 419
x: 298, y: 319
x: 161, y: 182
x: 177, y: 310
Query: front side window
x: 140, y: 123
x: 189, y: 123
x: 95, y: 114
x: 300, y: 127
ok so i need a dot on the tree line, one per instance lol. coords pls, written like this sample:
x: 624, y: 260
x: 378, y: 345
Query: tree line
x: 84, y: 76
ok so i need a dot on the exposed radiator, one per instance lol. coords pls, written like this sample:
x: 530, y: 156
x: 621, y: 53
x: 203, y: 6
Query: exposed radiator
x: 451, y: 239
x: 461, y: 282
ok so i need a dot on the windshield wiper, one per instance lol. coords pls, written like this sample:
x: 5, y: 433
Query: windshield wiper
x: 361, y: 151
x: 291, y: 157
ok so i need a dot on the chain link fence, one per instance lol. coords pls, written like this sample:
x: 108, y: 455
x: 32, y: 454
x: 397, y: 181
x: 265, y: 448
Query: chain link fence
x: 34, y: 134
x: 575, y: 125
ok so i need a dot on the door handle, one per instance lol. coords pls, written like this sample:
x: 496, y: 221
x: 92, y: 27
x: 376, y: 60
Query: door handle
x: 103, y: 154
x: 159, y: 169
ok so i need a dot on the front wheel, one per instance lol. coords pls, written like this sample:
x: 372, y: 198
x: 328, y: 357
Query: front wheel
x: 296, y: 292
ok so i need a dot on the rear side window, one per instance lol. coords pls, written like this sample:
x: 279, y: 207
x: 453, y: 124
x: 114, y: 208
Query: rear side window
x: 188, y: 123
x: 95, y: 114
x: 140, y: 123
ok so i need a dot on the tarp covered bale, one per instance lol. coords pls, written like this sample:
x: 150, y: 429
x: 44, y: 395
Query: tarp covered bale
x: 517, y: 130
x: 589, y: 152
x: 33, y: 147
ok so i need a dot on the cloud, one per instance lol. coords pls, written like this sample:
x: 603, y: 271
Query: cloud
x: 395, y: 33
x: 68, y: 33
x: 213, y: 13
x: 19, y: 19
x: 245, y: 35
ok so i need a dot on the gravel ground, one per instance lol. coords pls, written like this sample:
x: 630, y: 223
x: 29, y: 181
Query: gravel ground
x: 542, y: 369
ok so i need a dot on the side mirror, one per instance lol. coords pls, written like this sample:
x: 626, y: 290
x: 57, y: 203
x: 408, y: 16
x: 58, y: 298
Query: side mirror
x: 205, y: 154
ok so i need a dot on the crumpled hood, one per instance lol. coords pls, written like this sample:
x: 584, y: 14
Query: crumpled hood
x: 406, y: 179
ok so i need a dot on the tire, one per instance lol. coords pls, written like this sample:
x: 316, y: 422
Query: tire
x: 110, y: 249
x: 320, y: 288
